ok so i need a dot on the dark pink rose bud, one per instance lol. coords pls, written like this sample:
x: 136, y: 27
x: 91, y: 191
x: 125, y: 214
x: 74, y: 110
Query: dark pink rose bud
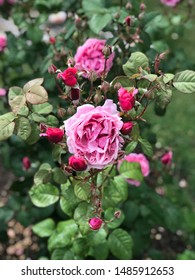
x: 52, y: 40
x: 75, y: 93
x: 142, y: 6
x: 126, y: 98
x: 78, y: 164
x: 55, y: 135
x: 128, y: 20
x: 69, y: 76
x: 126, y: 128
x: 95, y: 223
x: 52, y: 69
x: 26, y: 163
x: 166, y: 159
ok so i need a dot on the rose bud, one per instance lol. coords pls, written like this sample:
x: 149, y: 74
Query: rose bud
x: 75, y: 94
x: 128, y: 20
x: 107, y: 51
x: 26, y: 163
x: 142, y: 6
x: 95, y: 223
x: 167, y: 158
x: 55, y: 135
x: 117, y: 214
x: 126, y: 128
x: 52, y: 69
x: 126, y: 98
x: 69, y: 76
x: 52, y: 40
x: 78, y: 164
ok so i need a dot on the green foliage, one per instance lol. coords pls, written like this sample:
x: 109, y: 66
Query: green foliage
x: 185, y: 81
x: 44, y: 228
x: 136, y: 62
x: 44, y: 194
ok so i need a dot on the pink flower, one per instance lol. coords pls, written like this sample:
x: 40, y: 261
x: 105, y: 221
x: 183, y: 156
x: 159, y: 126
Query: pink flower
x: 167, y: 158
x: 69, y: 76
x: 93, y: 133
x: 142, y: 160
x: 170, y: 3
x: 78, y: 164
x: 95, y: 223
x: 2, y: 92
x: 89, y: 58
x: 3, y: 42
x: 55, y: 135
x: 126, y: 128
x: 26, y: 163
x: 126, y: 98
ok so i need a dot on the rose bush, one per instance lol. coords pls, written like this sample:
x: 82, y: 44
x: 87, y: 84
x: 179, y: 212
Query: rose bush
x: 75, y: 129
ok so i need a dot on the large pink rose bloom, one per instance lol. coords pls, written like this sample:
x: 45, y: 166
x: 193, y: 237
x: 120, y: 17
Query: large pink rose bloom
x: 144, y: 164
x: 171, y: 3
x: 93, y: 134
x: 89, y: 58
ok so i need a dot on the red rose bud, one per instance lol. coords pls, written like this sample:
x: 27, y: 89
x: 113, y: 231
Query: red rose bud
x: 26, y: 163
x: 95, y: 223
x: 52, y: 69
x: 78, y: 164
x: 75, y: 94
x: 69, y: 76
x: 128, y: 20
x: 55, y: 135
x: 167, y: 158
x: 52, y: 40
x: 126, y: 128
x: 126, y: 98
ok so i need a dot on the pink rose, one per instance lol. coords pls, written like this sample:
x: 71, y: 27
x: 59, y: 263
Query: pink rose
x: 142, y: 160
x: 3, y: 42
x: 95, y: 223
x: 126, y: 98
x: 94, y: 134
x: 126, y: 128
x: 69, y: 76
x: 89, y: 57
x: 78, y: 164
x: 167, y: 158
x: 170, y: 3
x: 26, y: 163
x: 54, y: 134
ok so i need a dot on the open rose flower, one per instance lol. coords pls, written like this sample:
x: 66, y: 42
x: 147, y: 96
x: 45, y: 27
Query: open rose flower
x: 90, y: 58
x: 170, y: 3
x: 94, y: 134
x: 3, y: 42
x: 126, y: 98
x: 144, y: 164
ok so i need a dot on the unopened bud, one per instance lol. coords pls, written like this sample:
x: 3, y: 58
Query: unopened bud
x: 78, y: 21
x: 52, y: 40
x: 128, y: 6
x: 52, y: 69
x: 107, y: 51
x: 105, y: 86
x: 71, y: 62
x: 117, y: 86
x: 117, y: 214
x: 70, y: 111
x: 127, y: 20
x: 116, y: 15
x: 78, y: 164
x: 97, y: 98
x: 142, y: 6
x: 95, y: 223
x: 26, y: 163
x: 75, y: 93
x: 126, y: 128
x: 61, y: 112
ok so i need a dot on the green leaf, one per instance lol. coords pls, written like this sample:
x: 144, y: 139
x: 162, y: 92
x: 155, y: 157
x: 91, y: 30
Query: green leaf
x: 80, y: 247
x: 136, y: 60
x: 52, y: 121
x: 42, y: 109
x: 36, y: 95
x: 6, y: 128
x: 120, y: 244
x: 44, y: 195
x: 125, y: 81
x: 185, y: 81
x: 42, y: 176
x: 37, y: 118
x: 113, y: 222
x: 81, y: 215
x: 34, y: 136
x: 164, y: 98
x: 131, y: 170
x: 131, y: 146
x: 59, y: 176
x: 92, y: 7
x: 57, y: 153
x: 68, y: 200
x: 16, y: 99
x: 44, y: 228
x: 168, y: 77
x: 63, y: 235
x: 23, y: 128
x: 23, y: 111
x: 131, y: 210
x: 135, y: 132
x: 62, y: 254
x: 32, y: 83
x: 146, y: 147
x: 150, y: 77
x: 99, y: 21
x: 82, y: 190
x: 100, y: 251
